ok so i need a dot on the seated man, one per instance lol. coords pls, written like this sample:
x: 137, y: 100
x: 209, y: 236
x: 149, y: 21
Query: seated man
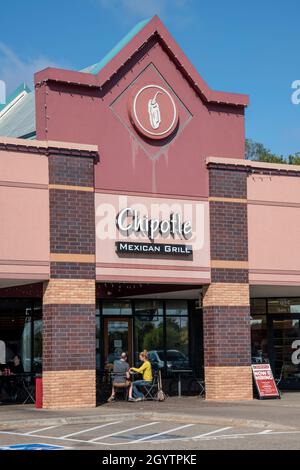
x: 120, y: 375
x: 16, y: 366
x: 146, y: 371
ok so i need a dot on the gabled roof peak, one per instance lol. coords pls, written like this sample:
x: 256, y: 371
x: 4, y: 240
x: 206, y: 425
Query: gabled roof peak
x: 95, y: 68
x: 100, y: 73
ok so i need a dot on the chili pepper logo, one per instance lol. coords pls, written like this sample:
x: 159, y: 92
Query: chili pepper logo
x: 154, y: 111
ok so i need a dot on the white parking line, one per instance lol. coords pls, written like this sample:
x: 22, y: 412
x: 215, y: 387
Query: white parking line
x: 266, y: 431
x: 160, y: 433
x: 211, y: 432
x: 42, y: 429
x: 122, y: 432
x: 182, y: 439
x: 90, y: 429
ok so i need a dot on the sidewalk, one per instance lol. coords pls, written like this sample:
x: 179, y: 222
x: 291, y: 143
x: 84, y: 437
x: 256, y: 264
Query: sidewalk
x: 281, y: 414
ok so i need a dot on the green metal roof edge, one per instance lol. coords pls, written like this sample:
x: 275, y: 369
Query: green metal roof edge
x: 17, y: 91
x: 95, y: 68
x: 22, y: 87
x: 29, y: 136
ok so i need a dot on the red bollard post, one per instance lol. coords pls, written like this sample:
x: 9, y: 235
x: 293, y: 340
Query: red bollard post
x: 38, y: 392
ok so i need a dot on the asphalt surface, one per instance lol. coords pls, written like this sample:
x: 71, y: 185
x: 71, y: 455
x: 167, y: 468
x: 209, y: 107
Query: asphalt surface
x: 151, y: 435
x: 186, y: 423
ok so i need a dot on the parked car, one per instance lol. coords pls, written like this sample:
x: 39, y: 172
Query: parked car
x: 174, y: 359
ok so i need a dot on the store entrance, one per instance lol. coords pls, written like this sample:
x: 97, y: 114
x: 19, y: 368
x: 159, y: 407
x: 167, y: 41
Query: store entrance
x: 117, y: 338
x: 169, y: 329
x: 284, y: 350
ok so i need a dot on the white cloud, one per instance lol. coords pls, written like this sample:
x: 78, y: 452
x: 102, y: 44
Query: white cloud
x: 14, y: 70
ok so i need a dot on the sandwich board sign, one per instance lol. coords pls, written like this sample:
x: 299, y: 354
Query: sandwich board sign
x: 264, y: 381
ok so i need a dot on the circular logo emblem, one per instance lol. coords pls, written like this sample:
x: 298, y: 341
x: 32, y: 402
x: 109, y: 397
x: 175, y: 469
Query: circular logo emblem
x: 153, y: 112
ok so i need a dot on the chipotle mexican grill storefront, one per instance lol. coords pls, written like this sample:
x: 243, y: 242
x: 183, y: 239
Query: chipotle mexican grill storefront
x: 132, y: 221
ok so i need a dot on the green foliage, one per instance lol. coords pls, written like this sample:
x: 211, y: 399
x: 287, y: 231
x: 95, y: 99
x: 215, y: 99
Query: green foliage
x: 259, y: 153
x: 294, y: 159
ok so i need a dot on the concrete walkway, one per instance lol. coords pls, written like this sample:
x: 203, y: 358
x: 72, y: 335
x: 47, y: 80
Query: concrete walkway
x: 281, y: 414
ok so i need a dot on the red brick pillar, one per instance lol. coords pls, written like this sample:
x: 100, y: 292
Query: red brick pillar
x: 226, y: 312
x: 69, y: 296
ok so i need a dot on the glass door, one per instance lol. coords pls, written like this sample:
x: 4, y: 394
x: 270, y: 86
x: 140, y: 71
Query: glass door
x: 285, y: 350
x: 117, y: 338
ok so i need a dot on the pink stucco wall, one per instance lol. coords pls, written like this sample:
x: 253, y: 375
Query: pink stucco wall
x: 274, y: 229
x: 24, y: 209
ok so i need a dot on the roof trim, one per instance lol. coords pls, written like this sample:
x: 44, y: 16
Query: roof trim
x: 152, y: 28
x: 251, y: 166
x: 48, y: 147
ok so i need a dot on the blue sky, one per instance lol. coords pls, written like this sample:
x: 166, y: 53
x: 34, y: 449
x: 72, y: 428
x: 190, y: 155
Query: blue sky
x: 249, y: 47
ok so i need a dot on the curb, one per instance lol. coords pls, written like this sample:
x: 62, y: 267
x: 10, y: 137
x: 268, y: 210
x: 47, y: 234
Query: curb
x: 203, y: 419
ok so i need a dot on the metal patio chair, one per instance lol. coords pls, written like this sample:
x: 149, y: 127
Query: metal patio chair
x: 154, y: 390
x: 279, y: 379
x: 150, y: 391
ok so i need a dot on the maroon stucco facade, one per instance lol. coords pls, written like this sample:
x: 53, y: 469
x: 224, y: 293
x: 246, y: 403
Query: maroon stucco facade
x: 80, y: 107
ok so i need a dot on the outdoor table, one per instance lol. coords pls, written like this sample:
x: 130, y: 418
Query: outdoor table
x: 19, y: 386
x: 180, y: 372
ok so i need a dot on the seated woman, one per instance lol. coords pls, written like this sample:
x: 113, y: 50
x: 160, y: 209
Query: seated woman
x: 146, y: 371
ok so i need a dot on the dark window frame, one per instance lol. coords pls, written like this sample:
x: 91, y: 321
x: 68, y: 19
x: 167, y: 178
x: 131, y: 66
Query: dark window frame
x: 134, y: 315
x: 32, y: 301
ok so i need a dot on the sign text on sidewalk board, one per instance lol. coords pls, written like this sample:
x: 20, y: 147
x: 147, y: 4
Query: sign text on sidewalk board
x: 264, y: 381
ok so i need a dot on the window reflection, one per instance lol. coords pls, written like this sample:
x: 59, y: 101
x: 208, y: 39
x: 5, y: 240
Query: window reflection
x: 116, y: 308
x: 21, y: 332
x: 259, y: 343
x: 284, y: 305
x: 149, y: 335
x: 148, y: 308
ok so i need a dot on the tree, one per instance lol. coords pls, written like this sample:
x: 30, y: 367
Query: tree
x: 259, y: 153
x: 294, y: 159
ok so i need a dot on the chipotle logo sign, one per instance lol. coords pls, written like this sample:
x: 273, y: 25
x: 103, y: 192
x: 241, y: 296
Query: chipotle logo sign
x: 153, y: 112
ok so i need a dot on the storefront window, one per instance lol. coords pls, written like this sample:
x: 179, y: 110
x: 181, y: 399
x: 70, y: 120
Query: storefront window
x: 176, y: 307
x: 258, y: 321
x: 177, y: 343
x: 159, y: 326
x: 98, y: 340
x: 148, y: 307
x: 164, y: 336
x: 149, y: 335
x: 25, y: 343
x: 286, y: 344
x: 258, y: 306
x: 38, y: 345
x: 259, y: 343
x: 21, y: 332
x: 116, y: 308
x: 275, y: 337
x: 284, y: 305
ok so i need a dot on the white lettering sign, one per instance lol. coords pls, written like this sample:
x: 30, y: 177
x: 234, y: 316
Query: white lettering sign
x: 296, y: 354
x: 129, y: 221
x: 149, y: 219
x: 296, y: 94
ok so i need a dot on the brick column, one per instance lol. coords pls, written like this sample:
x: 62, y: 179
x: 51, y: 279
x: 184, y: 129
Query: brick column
x: 69, y: 296
x: 226, y: 311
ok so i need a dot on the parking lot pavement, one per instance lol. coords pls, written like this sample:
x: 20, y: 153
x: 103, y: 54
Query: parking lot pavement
x: 151, y: 435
